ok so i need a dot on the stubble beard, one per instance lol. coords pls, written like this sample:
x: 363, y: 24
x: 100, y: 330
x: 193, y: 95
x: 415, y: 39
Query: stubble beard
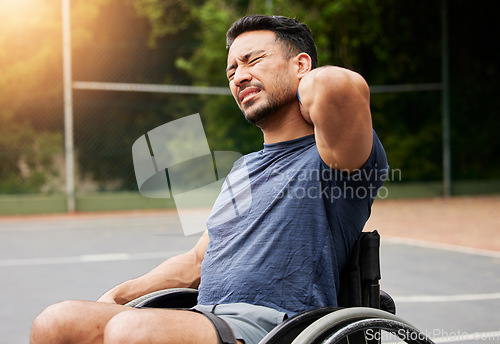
x: 272, y: 107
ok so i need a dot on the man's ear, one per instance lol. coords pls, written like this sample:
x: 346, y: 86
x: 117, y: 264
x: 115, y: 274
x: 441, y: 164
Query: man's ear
x: 304, y: 64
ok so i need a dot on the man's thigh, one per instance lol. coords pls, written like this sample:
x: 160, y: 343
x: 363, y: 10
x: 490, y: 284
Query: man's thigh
x: 160, y: 326
x: 95, y: 322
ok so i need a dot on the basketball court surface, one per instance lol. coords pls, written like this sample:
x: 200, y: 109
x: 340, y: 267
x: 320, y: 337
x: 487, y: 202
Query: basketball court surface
x: 440, y: 262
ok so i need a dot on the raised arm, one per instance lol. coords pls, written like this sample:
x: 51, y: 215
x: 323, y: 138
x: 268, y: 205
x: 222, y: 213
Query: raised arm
x: 182, y: 271
x: 337, y: 102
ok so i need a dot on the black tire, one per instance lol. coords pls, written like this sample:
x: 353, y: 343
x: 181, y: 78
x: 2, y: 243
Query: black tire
x: 167, y: 298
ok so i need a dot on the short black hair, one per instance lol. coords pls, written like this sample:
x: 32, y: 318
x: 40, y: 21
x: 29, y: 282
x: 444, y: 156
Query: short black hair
x: 296, y: 36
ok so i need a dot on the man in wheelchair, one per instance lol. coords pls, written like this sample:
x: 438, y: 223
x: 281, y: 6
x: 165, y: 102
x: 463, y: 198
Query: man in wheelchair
x: 312, y: 187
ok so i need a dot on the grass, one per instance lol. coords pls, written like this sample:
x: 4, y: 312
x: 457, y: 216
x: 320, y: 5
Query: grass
x: 115, y: 201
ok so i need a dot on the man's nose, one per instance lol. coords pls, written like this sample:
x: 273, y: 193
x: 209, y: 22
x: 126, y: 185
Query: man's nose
x: 241, y: 76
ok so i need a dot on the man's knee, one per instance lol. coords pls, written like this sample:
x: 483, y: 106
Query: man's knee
x: 52, y: 324
x: 124, y: 328
x: 167, y: 326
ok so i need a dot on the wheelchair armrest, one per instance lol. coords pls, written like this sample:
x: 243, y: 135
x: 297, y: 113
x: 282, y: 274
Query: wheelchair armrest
x: 168, y: 298
x: 387, y: 303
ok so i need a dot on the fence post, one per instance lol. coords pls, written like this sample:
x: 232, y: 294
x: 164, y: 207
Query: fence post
x: 68, y: 106
x: 446, y: 101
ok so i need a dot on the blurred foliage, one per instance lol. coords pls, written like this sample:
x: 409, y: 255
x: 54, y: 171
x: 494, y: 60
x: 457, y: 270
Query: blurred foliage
x: 31, y: 90
x: 27, y: 157
x: 183, y: 42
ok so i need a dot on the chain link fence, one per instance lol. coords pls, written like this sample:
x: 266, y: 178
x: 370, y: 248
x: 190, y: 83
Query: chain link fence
x: 120, y: 90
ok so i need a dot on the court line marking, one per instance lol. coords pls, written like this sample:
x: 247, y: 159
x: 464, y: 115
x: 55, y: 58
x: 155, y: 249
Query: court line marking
x: 449, y: 248
x: 446, y: 298
x: 86, y: 225
x: 108, y: 257
x: 88, y: 258
x: 441, y: 246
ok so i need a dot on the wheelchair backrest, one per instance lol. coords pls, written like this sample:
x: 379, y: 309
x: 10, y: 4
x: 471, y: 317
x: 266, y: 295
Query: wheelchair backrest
x: 360, y: 278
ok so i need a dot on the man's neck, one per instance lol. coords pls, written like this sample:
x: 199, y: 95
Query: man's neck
x: 287, y: 126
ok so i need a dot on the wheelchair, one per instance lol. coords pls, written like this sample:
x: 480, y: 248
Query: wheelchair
x: 365, y: 313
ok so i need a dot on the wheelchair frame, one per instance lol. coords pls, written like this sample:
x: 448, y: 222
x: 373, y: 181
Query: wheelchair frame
x: 365, y: 314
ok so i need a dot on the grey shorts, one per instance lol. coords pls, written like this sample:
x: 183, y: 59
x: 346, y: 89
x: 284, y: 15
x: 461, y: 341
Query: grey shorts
x: 249, y: 323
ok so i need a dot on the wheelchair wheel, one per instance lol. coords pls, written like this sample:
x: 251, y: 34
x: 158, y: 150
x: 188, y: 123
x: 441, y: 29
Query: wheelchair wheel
x: 361, y: 325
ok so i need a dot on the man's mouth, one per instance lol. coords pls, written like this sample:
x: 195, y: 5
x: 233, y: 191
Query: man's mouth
x: 248, y: 94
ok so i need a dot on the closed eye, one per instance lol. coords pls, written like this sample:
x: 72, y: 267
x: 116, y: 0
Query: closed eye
x: 255, y: 59
x: 231, y: 71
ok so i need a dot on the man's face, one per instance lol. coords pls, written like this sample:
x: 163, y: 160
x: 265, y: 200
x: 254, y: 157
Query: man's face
x: 260, y: 76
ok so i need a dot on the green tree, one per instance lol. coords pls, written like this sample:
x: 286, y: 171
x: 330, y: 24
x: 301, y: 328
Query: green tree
x: 209, y: 21
x: 27, y: 157
x: 30, y: 51
x: 182, y: 42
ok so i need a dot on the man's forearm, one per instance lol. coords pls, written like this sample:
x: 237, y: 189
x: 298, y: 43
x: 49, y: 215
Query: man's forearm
x: 181, y: 271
